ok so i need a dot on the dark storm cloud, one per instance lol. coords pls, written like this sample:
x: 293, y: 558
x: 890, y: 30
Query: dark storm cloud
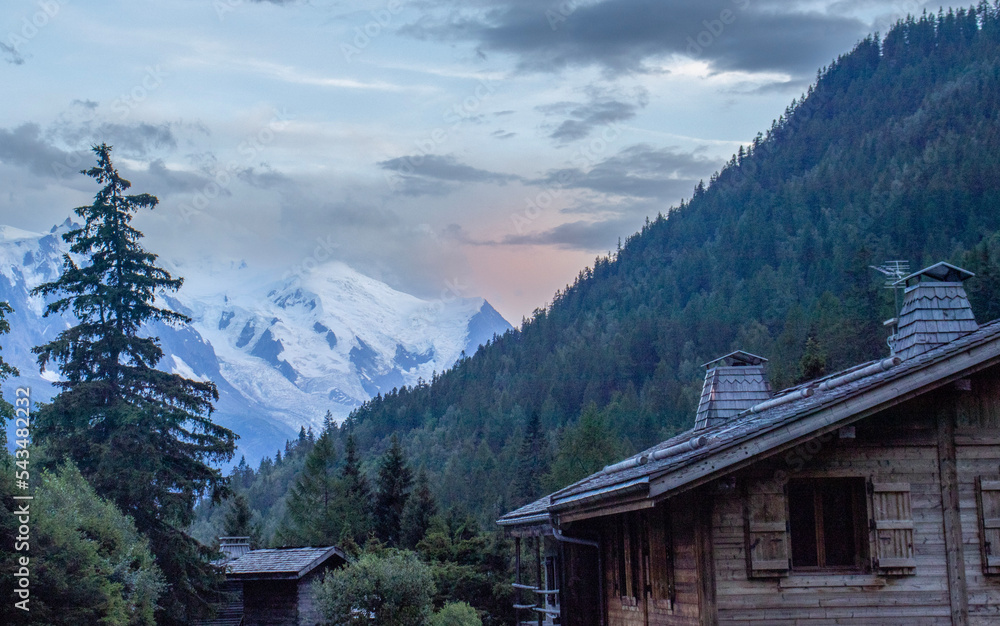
x: 432, y: 174
x: 639, y: 171
x: 622, y: 36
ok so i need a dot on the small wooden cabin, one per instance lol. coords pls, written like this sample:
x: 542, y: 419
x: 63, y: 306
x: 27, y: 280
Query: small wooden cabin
x: 869, y: 496
x: 274, y: 587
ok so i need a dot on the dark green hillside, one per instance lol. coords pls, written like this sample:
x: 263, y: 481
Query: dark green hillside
x: 894, y: 153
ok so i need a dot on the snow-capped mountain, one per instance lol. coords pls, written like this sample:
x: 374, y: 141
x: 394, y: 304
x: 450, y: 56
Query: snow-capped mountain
x: 281, y: 352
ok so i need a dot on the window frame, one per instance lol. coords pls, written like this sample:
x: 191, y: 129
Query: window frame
x: 820, y: 487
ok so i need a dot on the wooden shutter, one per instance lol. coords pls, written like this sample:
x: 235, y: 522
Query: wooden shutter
x: 988, y: 501
x: 892, y: 528
x: 661, y: 558
x: 766, y: 524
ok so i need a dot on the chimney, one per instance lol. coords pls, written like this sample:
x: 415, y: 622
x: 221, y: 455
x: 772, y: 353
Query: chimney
x: 233, y: 547
x: 733, y: 384
x: 935, y: 311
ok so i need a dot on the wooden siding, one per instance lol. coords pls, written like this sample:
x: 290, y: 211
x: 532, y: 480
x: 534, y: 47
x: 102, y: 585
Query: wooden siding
x: 898, y: 451
x: 978, y: 457
x: 667, y: 548
x: 308, y: 613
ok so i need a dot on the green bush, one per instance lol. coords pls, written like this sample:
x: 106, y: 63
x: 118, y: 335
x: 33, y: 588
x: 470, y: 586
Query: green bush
x: 390, y: 588
x: 456, y: 614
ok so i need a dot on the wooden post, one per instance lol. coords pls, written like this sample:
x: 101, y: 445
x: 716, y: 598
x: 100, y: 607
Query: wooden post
x: 538, y: 576
x: 706, y: 561
x: 955, y: 558
x: 517, y: 579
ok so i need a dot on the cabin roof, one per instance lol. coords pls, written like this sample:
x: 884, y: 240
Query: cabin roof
x: 281, y: 563
x: 697, y: 456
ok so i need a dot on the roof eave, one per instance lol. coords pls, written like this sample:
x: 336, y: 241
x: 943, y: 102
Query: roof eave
x: 785, y: 436
x: 781, y: 436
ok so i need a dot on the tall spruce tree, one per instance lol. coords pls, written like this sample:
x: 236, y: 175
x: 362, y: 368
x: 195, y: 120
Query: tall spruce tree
x: 391, y: 492
x: 420, y: 508
x: 532, y: 463
x: 239, y: 521
x: 315, y: 502
x: 142, y: 437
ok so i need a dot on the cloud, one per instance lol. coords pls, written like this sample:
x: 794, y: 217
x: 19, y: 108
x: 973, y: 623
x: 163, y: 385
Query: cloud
x: 264, y: 177
x: 629, y: 36
x: 638, y: 171
x: 162, y: 181
x: 25, y: 147
x: 581, y: 235
x: 601, y: 110
x: 432, y: 174
x: 10, y: 54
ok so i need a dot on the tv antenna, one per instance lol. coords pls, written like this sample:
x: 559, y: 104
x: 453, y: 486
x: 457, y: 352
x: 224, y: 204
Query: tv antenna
x: 894, y: 271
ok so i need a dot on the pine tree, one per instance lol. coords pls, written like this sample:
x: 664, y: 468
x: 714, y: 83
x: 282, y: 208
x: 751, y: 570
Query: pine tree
x: 532, y: 463
x: 420, y: 508
x: 391, y: 491
x: 239, y: 521
x: 315, y: 502
x: 584, y: 448
x: 142, y: 437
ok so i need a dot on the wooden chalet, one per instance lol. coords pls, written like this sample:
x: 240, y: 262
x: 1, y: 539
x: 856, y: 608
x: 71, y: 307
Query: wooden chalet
x: 869, y: 496
x: 272, y: 587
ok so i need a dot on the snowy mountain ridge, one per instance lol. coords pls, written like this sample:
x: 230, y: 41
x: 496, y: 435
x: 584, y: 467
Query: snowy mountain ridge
x: 282, y: 352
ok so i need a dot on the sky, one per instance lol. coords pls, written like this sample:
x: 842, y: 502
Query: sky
x: 449, y: 148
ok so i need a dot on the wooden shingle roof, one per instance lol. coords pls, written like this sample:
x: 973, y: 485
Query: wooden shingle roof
x: 695, y: 457
x: 281, y: 563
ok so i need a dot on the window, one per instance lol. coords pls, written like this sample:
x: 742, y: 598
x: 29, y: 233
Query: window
x: 827, y: 523
x: 988, y: 509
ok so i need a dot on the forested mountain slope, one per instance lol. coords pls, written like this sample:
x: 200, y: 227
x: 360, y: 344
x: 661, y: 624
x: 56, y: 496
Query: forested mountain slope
x: 894, y: 153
